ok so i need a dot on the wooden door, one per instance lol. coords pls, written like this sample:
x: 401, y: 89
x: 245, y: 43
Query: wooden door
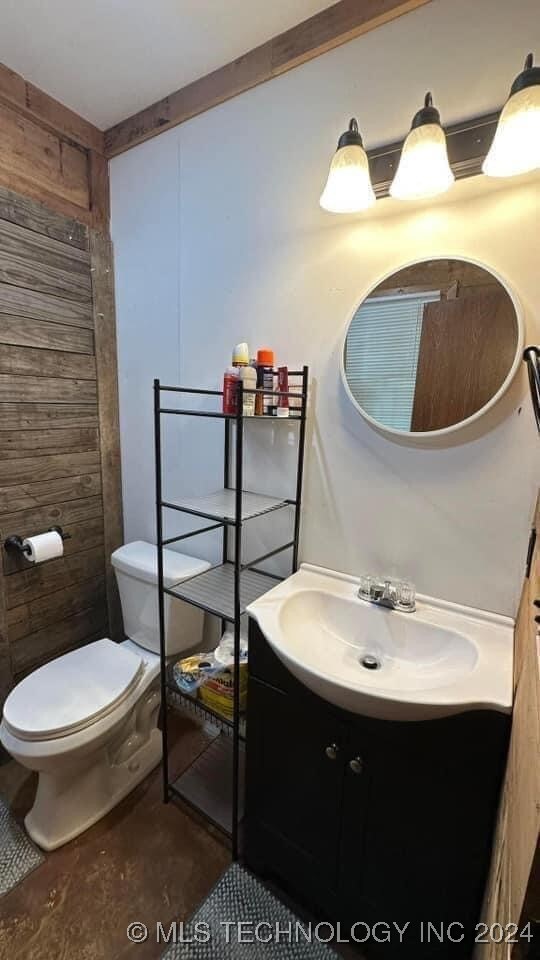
x: 457, y: 373
x: 513, y: 891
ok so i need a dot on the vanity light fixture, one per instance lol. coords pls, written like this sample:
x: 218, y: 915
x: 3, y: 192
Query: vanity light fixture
x: 516, y: 145
x: 424, y: 170
x: 348, y: 187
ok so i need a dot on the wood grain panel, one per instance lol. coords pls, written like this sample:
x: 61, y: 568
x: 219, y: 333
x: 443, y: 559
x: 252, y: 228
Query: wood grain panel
x: 15, y: 445
x: 22, y: 272
x: 58, y: 167
x: 332, y: 27
x: 24, y: 332
x: 33, y: 102
x: 109, y: 425
x: 84, y: 536
x: 47, y: 416
x: 42, y: 646
x: 518, y: 828
x: 35, y: 362
x: 40, y: 306
x: 48, y: 467
x: 38, y: 219
x: 34, y: 520
x: 21, y: 242
x: 51, y: 428
x: 23, y: 182
x: 524, y: 785
x: 58, y: 117
x: 33, y: 616
x: 55, y: 575
x: 46, y: 389
x: 12, y: 85
x: 28, y: 495
x: 99, y: 190
x: 27, y: 186
x: 325, y: 30
x: 5, y: 655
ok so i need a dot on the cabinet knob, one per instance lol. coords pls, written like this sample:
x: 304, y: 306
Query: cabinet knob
x: 331, y: 751
x: 356, y: 765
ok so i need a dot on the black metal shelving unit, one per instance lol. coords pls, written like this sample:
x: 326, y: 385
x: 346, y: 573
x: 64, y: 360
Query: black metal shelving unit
x: 226, y: 589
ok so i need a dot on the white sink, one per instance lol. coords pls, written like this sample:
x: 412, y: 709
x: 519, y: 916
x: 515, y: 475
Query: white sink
x: 441, y: 660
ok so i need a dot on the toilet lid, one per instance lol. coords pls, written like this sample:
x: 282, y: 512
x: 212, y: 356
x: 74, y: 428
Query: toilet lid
x: 73, y: 691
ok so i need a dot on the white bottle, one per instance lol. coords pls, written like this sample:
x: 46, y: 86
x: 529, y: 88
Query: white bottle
x: 248, y: 376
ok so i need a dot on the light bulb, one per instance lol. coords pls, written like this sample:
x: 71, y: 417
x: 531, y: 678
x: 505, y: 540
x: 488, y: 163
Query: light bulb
x: 423, y: 170
x: 516, y: 145
x: 348, y: 187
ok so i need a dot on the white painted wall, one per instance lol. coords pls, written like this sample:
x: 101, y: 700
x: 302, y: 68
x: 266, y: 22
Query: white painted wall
x: 219, y: 238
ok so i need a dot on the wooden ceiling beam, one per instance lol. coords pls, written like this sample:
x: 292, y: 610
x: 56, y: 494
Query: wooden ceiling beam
x: 330, y: 28
x: 32, y: 102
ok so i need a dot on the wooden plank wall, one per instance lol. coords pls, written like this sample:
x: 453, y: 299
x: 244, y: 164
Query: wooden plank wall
x: 512, y: 890
x: 59, y: 438
x: 58, y: 410
x: 49, y: 153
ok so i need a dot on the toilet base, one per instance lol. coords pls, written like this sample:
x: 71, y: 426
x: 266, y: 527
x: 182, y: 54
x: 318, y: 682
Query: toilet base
x: 68, y: 803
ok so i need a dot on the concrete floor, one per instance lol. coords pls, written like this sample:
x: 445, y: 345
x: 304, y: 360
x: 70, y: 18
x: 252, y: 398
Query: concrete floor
x: 144, y: 861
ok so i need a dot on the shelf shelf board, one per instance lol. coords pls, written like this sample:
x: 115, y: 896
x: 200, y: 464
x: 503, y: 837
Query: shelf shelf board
x: 213, y: 590
x: 221, y: 505
x: 232, y: 417
x: 206, y: 785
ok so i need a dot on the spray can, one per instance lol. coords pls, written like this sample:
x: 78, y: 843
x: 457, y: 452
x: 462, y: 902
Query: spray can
x: 265, y: 381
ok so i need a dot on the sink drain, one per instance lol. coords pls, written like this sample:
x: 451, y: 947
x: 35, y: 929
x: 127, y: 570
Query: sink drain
x: 370, y: 662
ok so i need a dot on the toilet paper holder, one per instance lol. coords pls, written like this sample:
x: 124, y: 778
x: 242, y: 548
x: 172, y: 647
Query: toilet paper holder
x: 15, y: 542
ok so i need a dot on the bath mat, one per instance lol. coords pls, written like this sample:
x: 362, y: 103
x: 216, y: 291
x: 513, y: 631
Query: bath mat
x: 270, y: 930
x: 18, y: 855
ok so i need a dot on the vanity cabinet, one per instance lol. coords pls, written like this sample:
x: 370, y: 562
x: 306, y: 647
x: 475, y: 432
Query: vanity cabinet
x: 365, y: 820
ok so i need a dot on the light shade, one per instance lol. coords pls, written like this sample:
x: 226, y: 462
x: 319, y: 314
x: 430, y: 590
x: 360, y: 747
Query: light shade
x: 348, y: 187
x: 516, y: 145
x: 423, y: 169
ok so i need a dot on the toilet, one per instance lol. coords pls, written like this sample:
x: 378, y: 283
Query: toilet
x: 87, y: 722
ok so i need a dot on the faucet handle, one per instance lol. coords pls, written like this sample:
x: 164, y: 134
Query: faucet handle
x: 365, y: 587
x: 370, y: 587
x: 405, y: 595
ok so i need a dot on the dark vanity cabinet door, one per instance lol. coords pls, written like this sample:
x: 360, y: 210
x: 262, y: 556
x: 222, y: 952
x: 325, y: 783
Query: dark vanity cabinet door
x: 295, y: 778
x: 431, y: 791
x: 393, y: 868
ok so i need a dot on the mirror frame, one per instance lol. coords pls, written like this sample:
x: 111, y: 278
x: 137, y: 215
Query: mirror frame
x: 423, y: 435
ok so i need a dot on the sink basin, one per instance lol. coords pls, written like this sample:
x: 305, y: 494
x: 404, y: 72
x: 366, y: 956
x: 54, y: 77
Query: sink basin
x: 441, y: 660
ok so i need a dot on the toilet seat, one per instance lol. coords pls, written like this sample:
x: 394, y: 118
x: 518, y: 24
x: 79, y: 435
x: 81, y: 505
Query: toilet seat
x: 72, y: 692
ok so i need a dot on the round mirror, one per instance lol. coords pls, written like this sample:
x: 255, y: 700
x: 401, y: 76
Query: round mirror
x: 432, y: 346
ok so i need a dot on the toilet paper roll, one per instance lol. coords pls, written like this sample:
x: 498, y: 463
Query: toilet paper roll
x: 44, y: 546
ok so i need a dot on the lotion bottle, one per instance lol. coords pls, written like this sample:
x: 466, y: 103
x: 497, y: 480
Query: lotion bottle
x: 247, y: 375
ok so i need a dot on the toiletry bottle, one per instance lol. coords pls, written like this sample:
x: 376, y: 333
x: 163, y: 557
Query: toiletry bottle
x: 282, y: 409
x: 230, y: 388
x: 265, y: 380
x: 248, y: 376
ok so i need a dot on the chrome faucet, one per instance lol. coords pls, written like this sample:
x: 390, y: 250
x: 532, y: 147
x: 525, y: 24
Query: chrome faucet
x: 394, y: 594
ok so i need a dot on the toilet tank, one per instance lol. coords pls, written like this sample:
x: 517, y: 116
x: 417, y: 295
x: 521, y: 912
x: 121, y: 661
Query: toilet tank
x: 135, y: 566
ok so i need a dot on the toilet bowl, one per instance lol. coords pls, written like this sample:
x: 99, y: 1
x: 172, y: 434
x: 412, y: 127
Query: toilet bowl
x: 87, y: 722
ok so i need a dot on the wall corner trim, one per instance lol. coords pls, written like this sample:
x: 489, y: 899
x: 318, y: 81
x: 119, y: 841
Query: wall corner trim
x: 102, y: 267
